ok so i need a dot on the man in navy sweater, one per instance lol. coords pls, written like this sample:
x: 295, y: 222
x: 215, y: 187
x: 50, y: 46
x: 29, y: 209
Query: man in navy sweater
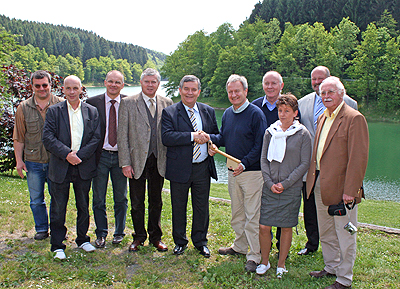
x: 242, y: 131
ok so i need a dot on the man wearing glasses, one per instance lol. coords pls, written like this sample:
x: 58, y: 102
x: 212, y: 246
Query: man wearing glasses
x: 30, y: 154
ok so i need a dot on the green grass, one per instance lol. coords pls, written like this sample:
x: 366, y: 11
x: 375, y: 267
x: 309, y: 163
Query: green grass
x: 26, y: 263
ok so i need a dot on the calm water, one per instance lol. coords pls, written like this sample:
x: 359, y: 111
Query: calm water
x: 383, y: 172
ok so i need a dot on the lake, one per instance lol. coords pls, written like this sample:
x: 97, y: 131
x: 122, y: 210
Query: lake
x: 383, y: 172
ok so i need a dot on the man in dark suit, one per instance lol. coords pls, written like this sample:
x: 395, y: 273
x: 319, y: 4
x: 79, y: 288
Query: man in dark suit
x: 337, y: 169
x: 311, y: 107
x: 188, y: 163
x: 142, y: 157
x: 107, y: 162
x: 71, y: 134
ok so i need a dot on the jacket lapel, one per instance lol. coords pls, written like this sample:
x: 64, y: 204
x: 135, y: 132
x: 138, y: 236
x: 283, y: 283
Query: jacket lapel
x: 183, y: 113
x: 335, y: 126
x: 65, y: 116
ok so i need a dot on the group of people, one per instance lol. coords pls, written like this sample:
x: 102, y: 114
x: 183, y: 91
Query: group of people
x: 316, y: 147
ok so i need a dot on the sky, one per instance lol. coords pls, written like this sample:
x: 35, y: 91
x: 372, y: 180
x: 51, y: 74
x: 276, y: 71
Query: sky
x: 158, y: 25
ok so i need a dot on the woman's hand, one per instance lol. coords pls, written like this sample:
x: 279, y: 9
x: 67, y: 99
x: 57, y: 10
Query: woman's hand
x: 277, y: 188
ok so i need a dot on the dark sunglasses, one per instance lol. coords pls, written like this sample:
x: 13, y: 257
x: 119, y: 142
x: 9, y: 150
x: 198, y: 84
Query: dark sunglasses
x: 45, y: 85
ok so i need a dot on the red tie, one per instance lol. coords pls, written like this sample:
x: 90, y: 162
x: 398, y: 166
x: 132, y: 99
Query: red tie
x: 112, y: 125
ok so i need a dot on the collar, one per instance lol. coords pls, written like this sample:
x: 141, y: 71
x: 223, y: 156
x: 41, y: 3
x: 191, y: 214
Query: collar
x: 107, y: 98
x: 194, y: 107
x: 242, y: 107
x: 270, y: 106
x: 335, y: 112
x: 147, y: 98
x: 71, y: 108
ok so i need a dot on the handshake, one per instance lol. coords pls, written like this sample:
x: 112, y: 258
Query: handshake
x: 200, y: 137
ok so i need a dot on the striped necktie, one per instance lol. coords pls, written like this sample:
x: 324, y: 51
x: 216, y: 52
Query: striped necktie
x: 319, y: 109
x: 196, y: 146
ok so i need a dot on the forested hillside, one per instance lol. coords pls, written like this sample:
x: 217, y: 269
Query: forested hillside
x: 361, y: 12
x: 60, y: 40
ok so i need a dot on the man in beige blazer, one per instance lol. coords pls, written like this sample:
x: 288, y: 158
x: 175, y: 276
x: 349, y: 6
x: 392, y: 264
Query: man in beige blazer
x: 142, y: 157
x: 337, y: 170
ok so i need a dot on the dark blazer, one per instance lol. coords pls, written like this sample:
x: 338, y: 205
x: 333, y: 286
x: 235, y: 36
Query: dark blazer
x: 57, y: 140
x: 98, y: 101
x: 176, y: 134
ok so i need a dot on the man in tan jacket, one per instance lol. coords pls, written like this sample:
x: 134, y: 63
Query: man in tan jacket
x: 337, y: 170
x: 142, y: 156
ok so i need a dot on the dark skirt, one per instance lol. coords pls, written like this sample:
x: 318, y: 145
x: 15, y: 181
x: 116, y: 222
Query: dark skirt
x: 280, y: 210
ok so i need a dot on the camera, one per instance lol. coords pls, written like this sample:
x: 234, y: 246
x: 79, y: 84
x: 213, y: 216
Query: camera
x: 349, y: 227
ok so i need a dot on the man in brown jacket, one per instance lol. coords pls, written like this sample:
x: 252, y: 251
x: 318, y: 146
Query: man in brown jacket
x: 30, y: 153
x: 337, y: 169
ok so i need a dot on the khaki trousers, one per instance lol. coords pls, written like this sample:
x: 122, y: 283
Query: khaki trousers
x: 338, y: 245
x: 245, y: 191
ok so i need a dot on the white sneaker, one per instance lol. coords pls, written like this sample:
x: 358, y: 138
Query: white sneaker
x: 262, y: 269
x: 60, y: 255
x: 87, y: 247
x: 280, y: 271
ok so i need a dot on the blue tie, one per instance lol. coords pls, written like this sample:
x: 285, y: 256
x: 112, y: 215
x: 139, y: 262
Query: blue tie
x: 319, y: 109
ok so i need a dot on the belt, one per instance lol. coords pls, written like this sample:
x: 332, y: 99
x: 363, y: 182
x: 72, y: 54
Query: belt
x: 110, y: 152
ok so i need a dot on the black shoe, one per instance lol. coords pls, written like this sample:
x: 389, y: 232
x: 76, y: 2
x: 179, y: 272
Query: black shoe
x: 251, y: 266
x: 117, y: 239
x: 204, y: 251
x: 179, y: 249
x: 41, y: 235
x: 100, y: 242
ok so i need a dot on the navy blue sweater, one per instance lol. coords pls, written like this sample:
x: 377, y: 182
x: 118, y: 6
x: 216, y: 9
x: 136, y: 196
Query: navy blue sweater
x: 242, y: 135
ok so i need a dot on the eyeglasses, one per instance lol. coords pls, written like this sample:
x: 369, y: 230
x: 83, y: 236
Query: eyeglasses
x: 329, y: 92
x: 37, y: 86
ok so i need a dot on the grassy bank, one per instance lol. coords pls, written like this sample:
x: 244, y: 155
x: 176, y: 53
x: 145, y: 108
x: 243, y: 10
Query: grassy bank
x: 27, y: 263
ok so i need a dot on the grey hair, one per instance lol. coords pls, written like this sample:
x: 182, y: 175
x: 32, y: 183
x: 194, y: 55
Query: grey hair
x: 150, y: 72
x: 112, y: 71
x: 335, y: 80
x: 40, y: 74
x: 324, y: 68
x: 236, y: 77
x: 190, y: 78
x: 275, y: 72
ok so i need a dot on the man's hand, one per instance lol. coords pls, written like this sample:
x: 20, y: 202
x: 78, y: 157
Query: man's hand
x: 128, y: 172
x: 348, y: 199
x: 73, y: 159
x: 238, y: 170
x: 201, y: 137
x: 211, y: 150
x: 21, y: 166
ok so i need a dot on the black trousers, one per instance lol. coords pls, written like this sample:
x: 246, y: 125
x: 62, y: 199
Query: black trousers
x: 310, y: 220
x: 199, y: 184
x: 59, y: 199
x: 137, y: 191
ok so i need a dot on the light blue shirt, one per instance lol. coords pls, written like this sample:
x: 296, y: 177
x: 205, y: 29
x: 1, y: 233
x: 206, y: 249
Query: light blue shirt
x: 203, y: 147
x: 270, y: 106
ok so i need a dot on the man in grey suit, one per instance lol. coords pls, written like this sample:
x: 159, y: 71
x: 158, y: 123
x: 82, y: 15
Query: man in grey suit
x: 142, y: 157
x: 311, y: 107
x: 107, y: 162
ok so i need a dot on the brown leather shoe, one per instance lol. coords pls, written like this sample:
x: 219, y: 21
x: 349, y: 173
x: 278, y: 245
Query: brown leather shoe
x: 134, y: 247
x: 320, y: 274
x: 228, y: 251
x: 160, y: 246
x: 337, y: 285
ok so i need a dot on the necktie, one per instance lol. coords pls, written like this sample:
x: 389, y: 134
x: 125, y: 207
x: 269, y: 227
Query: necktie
x: 196, y: 146
x: 112, y: 124
x: 152, y: 107
x: 318, y: 110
